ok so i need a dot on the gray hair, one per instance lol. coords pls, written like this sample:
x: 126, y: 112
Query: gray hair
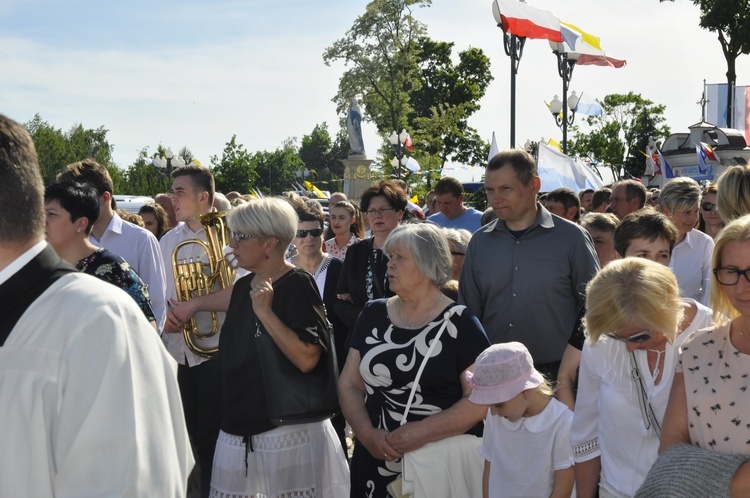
x: 264, y: 219
x: 680, y: 194
x: 221, y: 203
x: 429, y: 247
x: 458, y: 238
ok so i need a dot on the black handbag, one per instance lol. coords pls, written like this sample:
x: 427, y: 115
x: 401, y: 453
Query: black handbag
x: 295, y: 397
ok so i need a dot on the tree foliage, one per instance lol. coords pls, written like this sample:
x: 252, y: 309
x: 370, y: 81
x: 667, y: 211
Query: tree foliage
x: 235, y: 170
x: 143, y: 178
x: 322, y: 156
x: 277, y: 170
x: 409, y: 81
x: 730, y: 20
x: 616, y: 138
x: 56, y: 149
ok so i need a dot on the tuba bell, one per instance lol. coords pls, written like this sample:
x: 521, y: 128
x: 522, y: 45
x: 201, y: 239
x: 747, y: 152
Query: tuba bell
x: 198, y: 276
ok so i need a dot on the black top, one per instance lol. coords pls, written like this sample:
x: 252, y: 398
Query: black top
x: 361, y: 259
x: 297, y: 303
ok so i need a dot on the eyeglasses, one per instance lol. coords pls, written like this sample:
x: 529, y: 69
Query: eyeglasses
x: 381, y: 211
x: 638, y: 338
x: 238, y: 236
x: 315, y: 232
x: 731, y: 276
x: 456, y: 253
x: 708, y: 206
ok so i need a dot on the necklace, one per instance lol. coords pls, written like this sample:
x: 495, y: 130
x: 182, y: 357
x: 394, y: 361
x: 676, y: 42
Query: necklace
x: 425, y: 317
x: 659, y: 353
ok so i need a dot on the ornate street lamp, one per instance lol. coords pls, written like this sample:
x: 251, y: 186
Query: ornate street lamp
x: 566, y: 62
x: 168, y: 162
x: 401, y: 143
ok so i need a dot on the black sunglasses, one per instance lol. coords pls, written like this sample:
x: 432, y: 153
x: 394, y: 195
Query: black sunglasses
x: 708, y: 206
x: 315, y: 232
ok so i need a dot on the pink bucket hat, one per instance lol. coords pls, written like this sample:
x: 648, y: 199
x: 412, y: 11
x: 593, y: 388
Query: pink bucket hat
x: 501, y: 373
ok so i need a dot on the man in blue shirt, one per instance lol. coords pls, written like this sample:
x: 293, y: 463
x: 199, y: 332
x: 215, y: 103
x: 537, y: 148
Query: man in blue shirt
x: 452, y: 211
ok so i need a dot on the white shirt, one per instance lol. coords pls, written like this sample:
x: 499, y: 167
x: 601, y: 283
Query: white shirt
x: 525, y: 454
x: 90, y: 401
x: 176, y: 342
x: 691, y: 264
x: 140, y: 249
x: 607, y: 420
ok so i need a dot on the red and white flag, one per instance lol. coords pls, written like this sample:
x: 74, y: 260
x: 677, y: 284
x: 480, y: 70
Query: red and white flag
x: 521, y: 19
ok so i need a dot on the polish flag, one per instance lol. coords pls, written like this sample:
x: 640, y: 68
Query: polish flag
x: 521, y: 19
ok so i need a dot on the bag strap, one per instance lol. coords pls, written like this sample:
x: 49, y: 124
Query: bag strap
x: 647, y: 412
x: 434, y: 343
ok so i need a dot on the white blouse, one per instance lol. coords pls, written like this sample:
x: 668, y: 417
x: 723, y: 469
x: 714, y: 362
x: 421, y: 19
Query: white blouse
x: 607, y: 420
x: 691, y: 264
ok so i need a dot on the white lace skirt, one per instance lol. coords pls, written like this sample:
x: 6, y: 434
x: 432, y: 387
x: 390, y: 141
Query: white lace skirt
x: 295, y: 461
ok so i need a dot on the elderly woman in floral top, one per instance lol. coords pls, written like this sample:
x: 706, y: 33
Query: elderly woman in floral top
x: 71, y: 210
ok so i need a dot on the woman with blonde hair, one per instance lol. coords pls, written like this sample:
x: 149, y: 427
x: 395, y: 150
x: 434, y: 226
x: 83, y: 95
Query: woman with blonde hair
x: 255, y: 456
x: 679, y: 200
x: 709, y: 404
x: 635, y: 322
x: 733, y: 193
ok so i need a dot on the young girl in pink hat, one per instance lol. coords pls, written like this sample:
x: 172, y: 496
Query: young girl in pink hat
x: 526, y: 444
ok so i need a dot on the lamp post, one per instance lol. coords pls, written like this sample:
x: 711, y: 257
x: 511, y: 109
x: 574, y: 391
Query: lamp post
x: 566, y: 62
x: 401, y: 143
x: 513, y: 46
x: 168, y: 162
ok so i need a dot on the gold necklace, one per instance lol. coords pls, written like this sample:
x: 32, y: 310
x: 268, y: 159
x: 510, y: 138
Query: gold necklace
x: 424, y: 319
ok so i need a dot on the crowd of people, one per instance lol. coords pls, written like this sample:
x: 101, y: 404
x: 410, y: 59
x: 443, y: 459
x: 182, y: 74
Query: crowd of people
x: 564, y: 344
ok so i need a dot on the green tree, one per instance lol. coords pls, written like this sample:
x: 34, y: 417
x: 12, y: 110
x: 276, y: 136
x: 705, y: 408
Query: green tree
x: 277, y: 170
x: 142, y: 177
x: 382, y: 48
x: 408, y: 81
x: 322, y: 157
x: 616, y: 138
x: 447, y: 95
x: 236, y: 170
x: 56, y: 149
x: 730, y: 20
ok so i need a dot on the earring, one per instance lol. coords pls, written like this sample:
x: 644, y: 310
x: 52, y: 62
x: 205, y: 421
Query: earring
x: 78, y: 230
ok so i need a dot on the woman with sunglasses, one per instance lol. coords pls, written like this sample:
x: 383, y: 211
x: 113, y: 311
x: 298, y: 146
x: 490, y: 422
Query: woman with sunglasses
x: 325, y: 269
x: 635, y: 321
x: 254, y: 457
x: 710, y: 222
x: 709, y: 406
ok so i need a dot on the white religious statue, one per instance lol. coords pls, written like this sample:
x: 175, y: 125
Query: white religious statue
x: 354, y: 128
x: 651, y: 167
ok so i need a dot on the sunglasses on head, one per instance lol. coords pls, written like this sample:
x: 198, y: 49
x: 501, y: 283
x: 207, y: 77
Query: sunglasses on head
x: 635, y: 338
x: 708, y: 206
x: 315, y: 232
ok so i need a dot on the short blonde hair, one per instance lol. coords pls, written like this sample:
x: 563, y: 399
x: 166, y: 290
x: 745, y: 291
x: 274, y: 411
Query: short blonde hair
x: 264, y: 219
x: 680, y: 194
x: 429, y: 247
x: 632, y: 288
x: 736, y: 231
x: 733, y: 193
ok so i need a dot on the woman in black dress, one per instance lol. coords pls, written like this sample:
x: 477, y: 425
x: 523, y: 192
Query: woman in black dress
x: 389, y: 342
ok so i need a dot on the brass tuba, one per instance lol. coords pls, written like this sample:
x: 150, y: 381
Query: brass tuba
x: 193, y: 277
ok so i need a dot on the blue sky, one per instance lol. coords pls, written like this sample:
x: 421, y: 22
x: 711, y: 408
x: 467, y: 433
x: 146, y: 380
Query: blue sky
x: 194, y: 72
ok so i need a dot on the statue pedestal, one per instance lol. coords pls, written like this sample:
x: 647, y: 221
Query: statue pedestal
x: 356, y: 176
